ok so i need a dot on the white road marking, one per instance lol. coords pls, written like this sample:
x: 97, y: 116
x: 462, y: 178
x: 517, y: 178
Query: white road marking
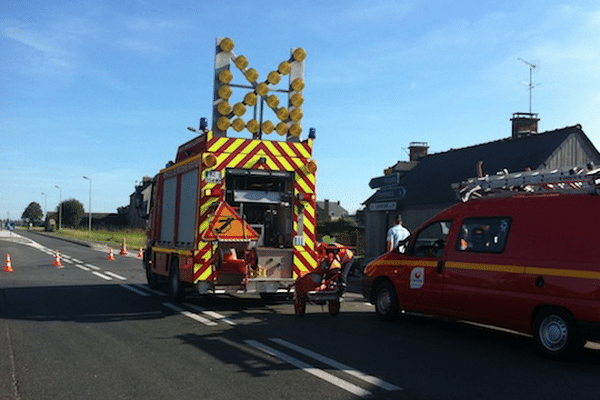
x: 190, y: 314
x: 319, y: 373
x: 108, y: 278
x: 115, y: 275
x: 135, y: 290
x: 212, y: 314
x: 91, y: 266
x: 337, y: 365
x: 82, y: 267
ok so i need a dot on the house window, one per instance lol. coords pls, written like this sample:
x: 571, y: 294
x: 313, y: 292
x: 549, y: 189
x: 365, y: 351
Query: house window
x: 484, y: 235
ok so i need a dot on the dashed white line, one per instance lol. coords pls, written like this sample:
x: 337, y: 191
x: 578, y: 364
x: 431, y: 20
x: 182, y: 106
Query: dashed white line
x: 115, y: 275
x: 212, y: 314
x: 82, y: 267
x: 189, y: 314
x: 92, y: 266
x: 319, y: 373
x: 108, y: 278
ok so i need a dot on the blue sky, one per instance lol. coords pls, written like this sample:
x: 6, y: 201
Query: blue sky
x: 106, y: 89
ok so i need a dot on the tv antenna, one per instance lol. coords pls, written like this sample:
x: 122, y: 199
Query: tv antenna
x: 530, y: 85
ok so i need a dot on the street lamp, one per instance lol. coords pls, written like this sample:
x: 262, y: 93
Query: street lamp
x: 89, y: 208
x: 59, y: 208
x: 45, y: 204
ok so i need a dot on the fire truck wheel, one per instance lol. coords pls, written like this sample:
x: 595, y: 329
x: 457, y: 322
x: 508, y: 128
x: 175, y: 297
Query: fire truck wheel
x: 386, y: 302
x: 555, y: 333
x: 175, y: 286
x: 299, y: 305
x: 334, y: 307
x: 151, y: 277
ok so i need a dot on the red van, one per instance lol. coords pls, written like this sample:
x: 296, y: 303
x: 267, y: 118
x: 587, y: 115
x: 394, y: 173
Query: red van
x: 526, y: 262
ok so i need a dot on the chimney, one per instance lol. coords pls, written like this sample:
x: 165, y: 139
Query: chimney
x: 524, y: 124
x: 418, y: 150
x: 326, y: 207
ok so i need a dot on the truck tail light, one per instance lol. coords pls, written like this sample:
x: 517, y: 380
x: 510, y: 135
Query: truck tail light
x: 307, y: 196
x: 214, y: 192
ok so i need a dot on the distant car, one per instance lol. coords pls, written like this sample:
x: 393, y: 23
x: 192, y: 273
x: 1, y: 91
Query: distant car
x: 530, y: 263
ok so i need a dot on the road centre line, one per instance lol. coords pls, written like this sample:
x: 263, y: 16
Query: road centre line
x: 135, y: 290
x: 115, y: 275
x: 319, y: 373
x: 147, y: 289
x: 337, y: 365
x: 82, y: 267
x: 213, y: 314
x: 189, y: 314
x: 108, y: 278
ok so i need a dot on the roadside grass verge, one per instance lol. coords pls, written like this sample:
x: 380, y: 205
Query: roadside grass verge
x: 135, y: 238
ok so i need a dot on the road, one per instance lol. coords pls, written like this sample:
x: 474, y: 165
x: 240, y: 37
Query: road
x: 93, y: 330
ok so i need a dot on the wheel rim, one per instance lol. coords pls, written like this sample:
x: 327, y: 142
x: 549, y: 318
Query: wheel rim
x: 384, y: 301
x: 554, y: 333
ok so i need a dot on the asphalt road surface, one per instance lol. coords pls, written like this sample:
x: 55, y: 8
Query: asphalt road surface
x: 91, y: 329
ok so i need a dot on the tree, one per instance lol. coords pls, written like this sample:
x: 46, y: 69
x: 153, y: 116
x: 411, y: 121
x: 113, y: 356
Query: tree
x: 72, y: 212
x: 33, y: 213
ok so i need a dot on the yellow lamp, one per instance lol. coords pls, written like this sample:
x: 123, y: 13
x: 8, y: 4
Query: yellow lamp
x: 241, y: 62
x: 268, y: 127
x: 298, y: 84
x: 223, y: 123
x: 225, y: 76
x: 299, y: 54
x: 311, y: 166
x: 262, y: 89
x: 296, y: 114
x: 238, y: 124
x: 225, y: 92
x: 297, y: 100
x: 282, y: 113
x: 251, y: 75
x: 227, y: 44
x: 239, y: 109
x: 284, y: 68
x: 295, y: 130
x: 281, y: 128
x: 250, y: 99
x: 209, y: 160
x: 273, y: 101
x: 224, y: 108
x: 253, y: 126
x: 273, y: 77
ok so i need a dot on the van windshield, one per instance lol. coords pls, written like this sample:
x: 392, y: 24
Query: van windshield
x: 431, y: 240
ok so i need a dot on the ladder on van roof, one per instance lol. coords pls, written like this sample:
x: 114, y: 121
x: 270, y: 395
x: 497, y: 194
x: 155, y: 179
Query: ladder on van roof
x: 568, y: 180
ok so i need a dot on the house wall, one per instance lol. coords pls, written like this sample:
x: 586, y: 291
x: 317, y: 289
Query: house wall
x: 572, y: 152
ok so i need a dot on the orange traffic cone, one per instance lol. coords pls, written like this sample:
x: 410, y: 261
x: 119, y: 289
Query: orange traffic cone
x: 111, y: 256
x: 123, y: 251
x: 141, y: 253
x: 7, y: 266
x: 57, y: 262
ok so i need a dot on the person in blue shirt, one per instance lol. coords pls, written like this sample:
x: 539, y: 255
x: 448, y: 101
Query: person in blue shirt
x: 396, y: 233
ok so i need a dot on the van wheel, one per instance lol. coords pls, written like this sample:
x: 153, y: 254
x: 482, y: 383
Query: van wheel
x: 175, y: 285
x: 386, y: 302
x: 555, y: 333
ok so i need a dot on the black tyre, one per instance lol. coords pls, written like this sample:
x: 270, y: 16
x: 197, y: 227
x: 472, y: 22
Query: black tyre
x: 175, y: 286
x: 386, y: 301
x: 334, y: 307
x: 299, y: 305
x: 555, y: 333
x: 151, y: 277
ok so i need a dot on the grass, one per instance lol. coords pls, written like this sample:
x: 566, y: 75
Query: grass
x: 135, y: 238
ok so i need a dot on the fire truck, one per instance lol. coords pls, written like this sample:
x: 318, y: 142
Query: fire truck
x: 237, y: 214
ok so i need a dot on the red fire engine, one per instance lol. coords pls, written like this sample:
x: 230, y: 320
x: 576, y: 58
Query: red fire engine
x: 238, y: 214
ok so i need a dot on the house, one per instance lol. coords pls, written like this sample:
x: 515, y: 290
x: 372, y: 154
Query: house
x: 426, y: 189
x: 330, y: 211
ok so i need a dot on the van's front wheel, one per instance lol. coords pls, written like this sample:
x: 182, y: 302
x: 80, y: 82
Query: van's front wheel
x: 386, y: 302
x: 555, y: 333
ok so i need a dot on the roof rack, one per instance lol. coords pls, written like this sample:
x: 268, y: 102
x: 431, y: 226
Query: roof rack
x: 567, y: 180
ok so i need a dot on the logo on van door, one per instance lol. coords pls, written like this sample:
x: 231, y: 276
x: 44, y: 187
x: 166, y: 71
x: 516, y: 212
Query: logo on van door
x: 417, y: 278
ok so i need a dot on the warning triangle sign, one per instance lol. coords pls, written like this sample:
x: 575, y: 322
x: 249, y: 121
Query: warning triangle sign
x: 227, y: 225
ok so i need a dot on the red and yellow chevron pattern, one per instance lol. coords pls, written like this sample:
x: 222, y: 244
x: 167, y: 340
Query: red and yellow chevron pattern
x: 269, y: 155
